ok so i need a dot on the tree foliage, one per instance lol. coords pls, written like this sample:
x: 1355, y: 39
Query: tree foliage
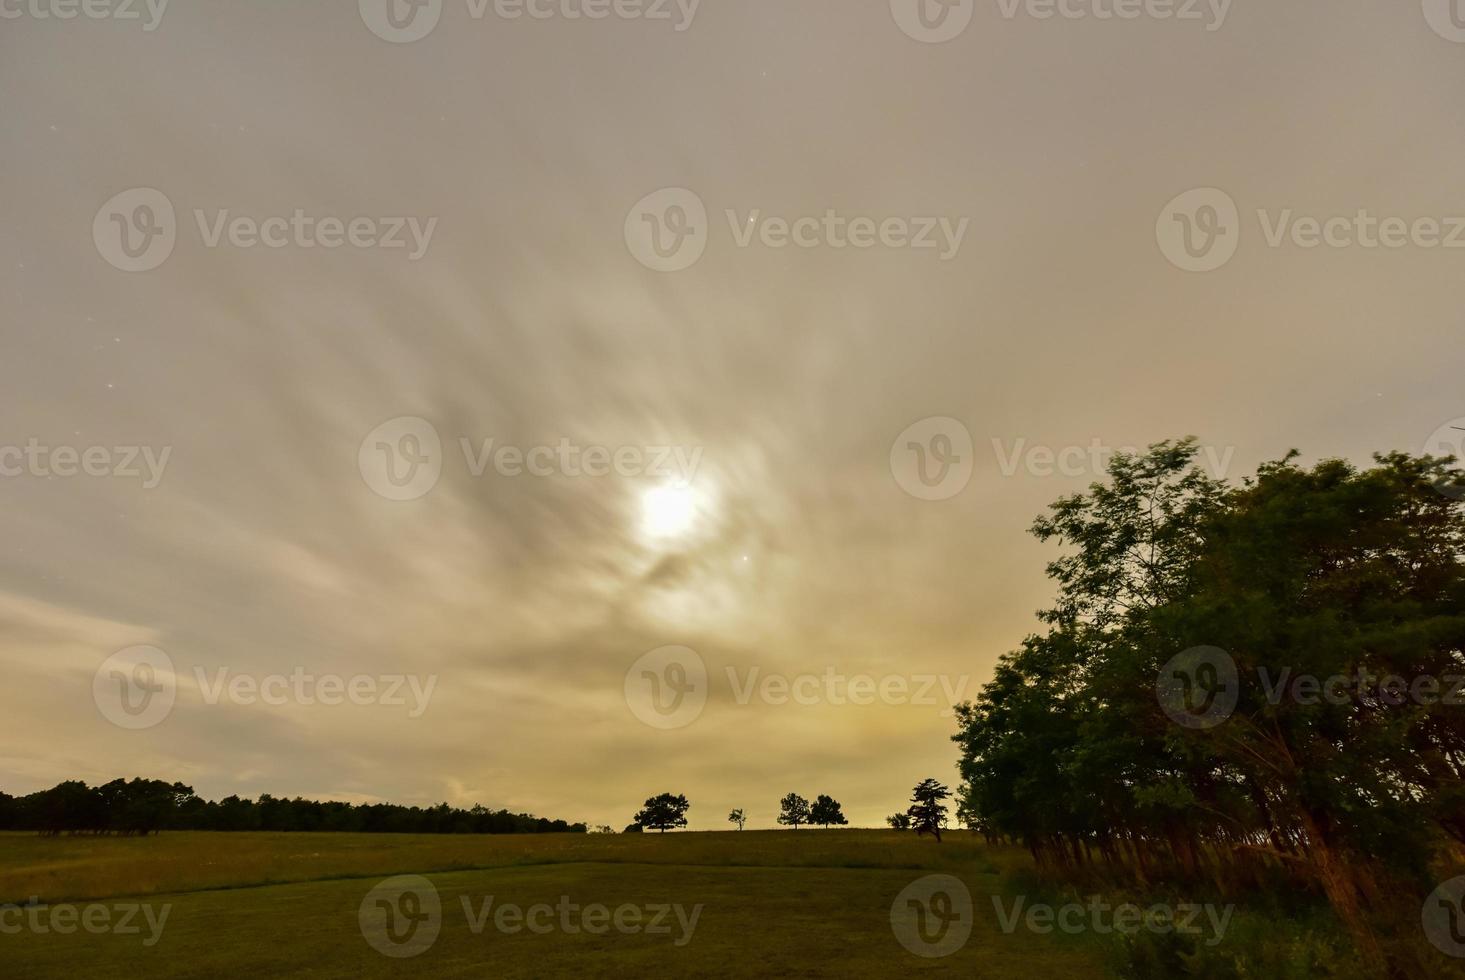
x: 826, y: 812
x: 140, y: 807
x: 1332, y: 573
x: 927, y: 811
x: 665, y: 812
x: 793, y: 810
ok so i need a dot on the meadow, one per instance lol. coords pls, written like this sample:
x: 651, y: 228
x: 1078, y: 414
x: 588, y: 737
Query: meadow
x: 796, y: 903
x: 803, y: 903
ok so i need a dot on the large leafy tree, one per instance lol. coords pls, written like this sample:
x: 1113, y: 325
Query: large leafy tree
x: 793, y: 810
x: 665, y: 812
x: 826, y: 812
x: 1332, y: 573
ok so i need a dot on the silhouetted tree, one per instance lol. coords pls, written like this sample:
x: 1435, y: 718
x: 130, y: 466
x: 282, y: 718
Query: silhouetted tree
x: 899, y: 821
x: 793, y: 810
x: 147, y: 806
x: 664, y: 812
x: 737, y: 817
x: 927, y: 812
x: 826, y: 812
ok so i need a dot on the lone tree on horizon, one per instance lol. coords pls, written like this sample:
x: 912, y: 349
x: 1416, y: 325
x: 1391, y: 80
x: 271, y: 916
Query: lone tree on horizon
x: 664, y: 812
x: 793, y: 810
x: 737, y: 817
x: 826, y: 812
x: 927, y: 813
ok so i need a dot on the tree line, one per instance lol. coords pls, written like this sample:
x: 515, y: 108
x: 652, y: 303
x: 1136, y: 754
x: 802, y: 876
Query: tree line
x: 927, y: 814
x: 1241, y: 684
x: 139, y: 807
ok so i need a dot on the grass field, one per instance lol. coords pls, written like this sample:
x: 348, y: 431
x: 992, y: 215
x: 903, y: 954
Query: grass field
x: 802, y: 903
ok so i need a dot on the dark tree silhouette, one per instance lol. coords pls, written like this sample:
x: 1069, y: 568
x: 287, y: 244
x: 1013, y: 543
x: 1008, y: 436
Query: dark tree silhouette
x: 738, y: 817
x: 147, y: 806
x: 899, y: 821
x: 826, y: 812
x: 927, y: 813
x: 793, y: 810
x: 664, y: 812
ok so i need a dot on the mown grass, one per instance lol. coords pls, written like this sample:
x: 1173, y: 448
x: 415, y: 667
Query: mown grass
x: 805, y: 903
x: 71, y: 868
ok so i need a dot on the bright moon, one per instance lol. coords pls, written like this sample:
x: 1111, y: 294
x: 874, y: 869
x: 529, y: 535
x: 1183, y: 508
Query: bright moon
x: 668, y: 511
